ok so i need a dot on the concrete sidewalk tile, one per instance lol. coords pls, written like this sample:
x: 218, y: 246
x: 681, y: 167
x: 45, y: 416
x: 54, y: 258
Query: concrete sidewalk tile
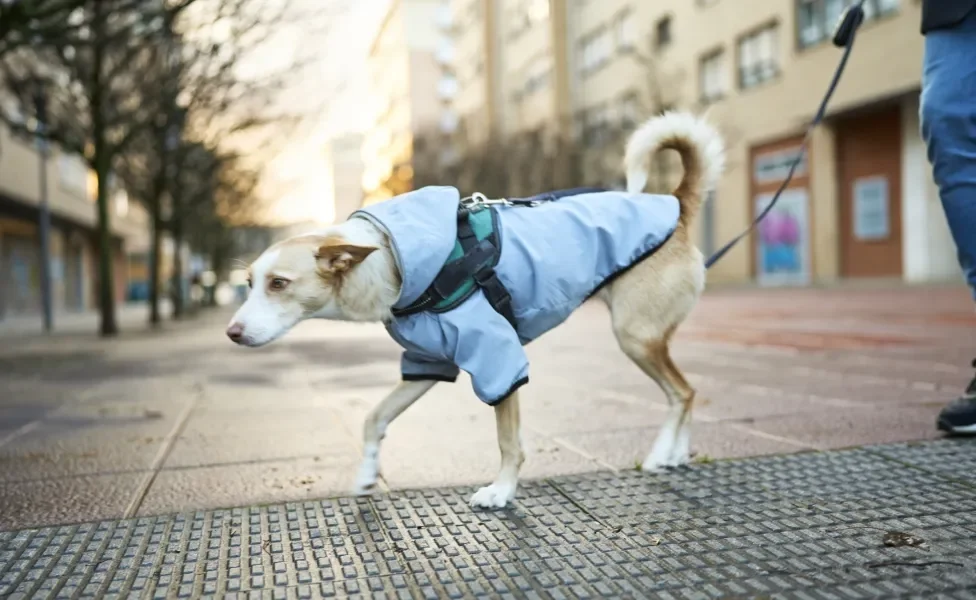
x: 50, y: 450
x: 214, y: 438
x: 176, y: 490
x: 822, y: 384
x: 457, y: 460
x: 719, y: 401
x: 627, y: 448
x: 73, y: 499
x: 559, y: 410
x: 845, y: 427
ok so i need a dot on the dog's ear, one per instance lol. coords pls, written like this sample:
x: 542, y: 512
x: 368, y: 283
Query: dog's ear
x: 338, y: 256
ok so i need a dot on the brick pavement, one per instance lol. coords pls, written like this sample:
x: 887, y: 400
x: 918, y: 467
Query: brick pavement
x: 892, y: 521
x: 153, y: 424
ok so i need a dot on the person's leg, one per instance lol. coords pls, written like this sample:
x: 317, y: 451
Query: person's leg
x: 948, y: 116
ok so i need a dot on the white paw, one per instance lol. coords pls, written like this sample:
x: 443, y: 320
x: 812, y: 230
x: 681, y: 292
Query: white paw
x: 663, y: 459
x: 496, y: 495
x: 672, y: 449
x: 366, y: 478
x: 681, y: 451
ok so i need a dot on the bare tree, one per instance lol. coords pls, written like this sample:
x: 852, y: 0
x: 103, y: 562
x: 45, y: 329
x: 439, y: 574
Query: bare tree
x: 198, y: 99
x: 87, y: 71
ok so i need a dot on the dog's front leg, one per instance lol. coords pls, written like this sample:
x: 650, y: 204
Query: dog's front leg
x: 402, y: 396
x: 502, y: 491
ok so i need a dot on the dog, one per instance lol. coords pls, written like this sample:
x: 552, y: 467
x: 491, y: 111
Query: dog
x: 352, y: 272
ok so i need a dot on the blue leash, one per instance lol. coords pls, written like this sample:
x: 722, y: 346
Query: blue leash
x: 843, y: 38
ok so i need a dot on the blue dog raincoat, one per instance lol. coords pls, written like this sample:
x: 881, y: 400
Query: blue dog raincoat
x: 553, y: 257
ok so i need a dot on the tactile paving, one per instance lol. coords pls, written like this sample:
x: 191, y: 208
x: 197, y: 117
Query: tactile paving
x: 882, y: 522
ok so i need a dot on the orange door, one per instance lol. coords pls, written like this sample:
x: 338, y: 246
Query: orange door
x: 869, y: 172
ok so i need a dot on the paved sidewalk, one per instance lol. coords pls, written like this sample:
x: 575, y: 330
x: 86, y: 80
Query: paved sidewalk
x: 130, y: 316
x: 880, y: 522
x: 163, y: 422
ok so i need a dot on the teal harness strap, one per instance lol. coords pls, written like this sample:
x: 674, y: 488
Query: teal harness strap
x: 482, y: 224
x: 469, y: 267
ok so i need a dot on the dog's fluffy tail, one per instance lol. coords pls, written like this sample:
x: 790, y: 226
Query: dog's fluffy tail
x: 696, y: 141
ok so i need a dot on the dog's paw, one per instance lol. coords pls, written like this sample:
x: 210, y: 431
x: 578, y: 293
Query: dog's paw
x: 496, y: 495
x: 665, y: 460
x: 366, y: 478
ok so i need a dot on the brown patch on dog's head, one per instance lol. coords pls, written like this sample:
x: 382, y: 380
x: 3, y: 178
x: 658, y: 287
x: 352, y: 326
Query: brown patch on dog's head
x: 336, y: 256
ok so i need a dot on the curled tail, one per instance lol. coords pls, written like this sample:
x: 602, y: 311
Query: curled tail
x: 696, y: 141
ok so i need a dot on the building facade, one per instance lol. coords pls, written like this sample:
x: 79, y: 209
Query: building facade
x: 346, y: 165
x: 73, y: 242
x: 406, y: 84
x: 862, y: 204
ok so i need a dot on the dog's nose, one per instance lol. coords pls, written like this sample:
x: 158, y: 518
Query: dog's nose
x: 235, y: 332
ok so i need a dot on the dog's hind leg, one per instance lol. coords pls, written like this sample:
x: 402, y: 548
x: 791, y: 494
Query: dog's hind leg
x: 672, y: 447
x: 502, y: 491
x: 647, y: 305
x: 397, y: 401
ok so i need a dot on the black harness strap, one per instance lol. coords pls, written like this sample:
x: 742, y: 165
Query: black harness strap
x: 484, y: 270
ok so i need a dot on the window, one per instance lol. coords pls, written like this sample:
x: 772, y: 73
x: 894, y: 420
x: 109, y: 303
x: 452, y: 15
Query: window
x: 772, y: 167
x: 595, y: 51
x: 629, y: 109
x: 538, y: 10
x: 595, y: 125
x: 526, y: 14
x: 72, y: 174
x: 625, y: 30
x: 816, y: 19
x: 662, y: 33
x: 759, y: 57
x: 538, y: 74
x: 713, y: 83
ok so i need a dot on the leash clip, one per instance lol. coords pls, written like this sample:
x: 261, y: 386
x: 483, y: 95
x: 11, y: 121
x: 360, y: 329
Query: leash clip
x: 479, y: 199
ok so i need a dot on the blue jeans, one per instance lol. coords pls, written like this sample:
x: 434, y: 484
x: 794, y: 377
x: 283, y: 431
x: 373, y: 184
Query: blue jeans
x: 948, y: 116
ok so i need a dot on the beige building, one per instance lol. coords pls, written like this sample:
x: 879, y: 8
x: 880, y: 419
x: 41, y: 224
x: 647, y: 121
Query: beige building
x: 510, y: 64
x: 73, y: 243
x: 863, y: 204
x: 346, y: 164
x: 475, y: 45
x: 407, y: 86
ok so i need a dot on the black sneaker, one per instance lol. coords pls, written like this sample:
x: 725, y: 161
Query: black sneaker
x: 959, y: 418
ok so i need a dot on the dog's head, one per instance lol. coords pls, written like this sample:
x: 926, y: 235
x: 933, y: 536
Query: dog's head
x: 294, y: 280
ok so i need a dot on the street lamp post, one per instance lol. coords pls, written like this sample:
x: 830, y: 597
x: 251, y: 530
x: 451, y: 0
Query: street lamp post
x: 44, y: 218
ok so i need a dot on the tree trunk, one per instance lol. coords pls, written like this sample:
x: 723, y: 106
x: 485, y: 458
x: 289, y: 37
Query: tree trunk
x: 102, y: 160
x: 106, y: 279
x: 155, y: 251
x: 218, y: 260
x: 177, y: 231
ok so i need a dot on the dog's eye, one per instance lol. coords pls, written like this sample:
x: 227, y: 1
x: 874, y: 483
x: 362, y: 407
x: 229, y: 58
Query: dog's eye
x: 278, y: 284
x: 250, y: 284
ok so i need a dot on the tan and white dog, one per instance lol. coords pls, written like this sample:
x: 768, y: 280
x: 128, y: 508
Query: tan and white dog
x: 348, y: 272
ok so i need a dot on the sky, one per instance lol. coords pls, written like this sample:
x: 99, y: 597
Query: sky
x: 331, y: 91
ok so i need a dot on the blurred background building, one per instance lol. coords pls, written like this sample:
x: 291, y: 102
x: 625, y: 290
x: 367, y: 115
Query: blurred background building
x: 583, y: 73
x: 513, y: 97
x: 406, y: 84
x: 73, y: 245
x: 347, y: 174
